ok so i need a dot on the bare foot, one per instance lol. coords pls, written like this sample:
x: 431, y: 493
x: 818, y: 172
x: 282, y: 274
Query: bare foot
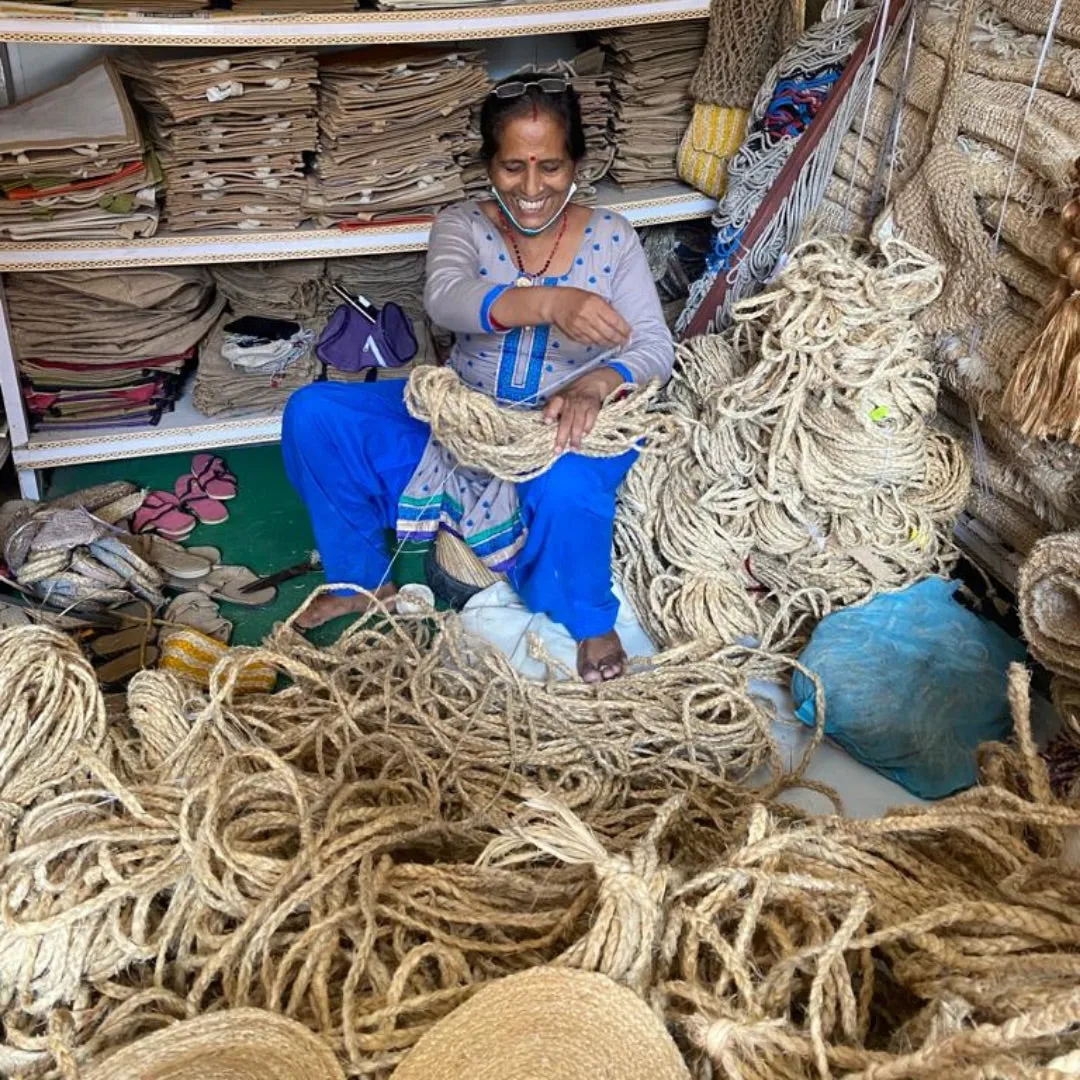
x: 328, y: 606
x: 601, y: 658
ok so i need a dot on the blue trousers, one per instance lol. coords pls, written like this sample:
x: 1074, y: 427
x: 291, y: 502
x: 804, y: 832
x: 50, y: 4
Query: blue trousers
x: 350, y: 450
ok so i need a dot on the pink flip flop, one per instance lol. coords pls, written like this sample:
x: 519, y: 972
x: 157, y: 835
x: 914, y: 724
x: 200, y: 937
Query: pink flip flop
x: 194, y: 500
x: 214, y: 477
x: 162, y: 513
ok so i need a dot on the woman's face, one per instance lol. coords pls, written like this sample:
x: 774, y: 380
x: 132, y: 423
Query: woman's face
x: 532, y: 169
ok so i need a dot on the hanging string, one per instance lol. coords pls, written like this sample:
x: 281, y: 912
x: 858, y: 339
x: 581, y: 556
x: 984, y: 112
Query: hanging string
x: 875, y: 63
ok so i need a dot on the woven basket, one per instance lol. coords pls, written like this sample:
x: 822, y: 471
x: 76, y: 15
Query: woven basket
x: 547, y: 1024
x: 236, y: 1044
x: 454, y: 573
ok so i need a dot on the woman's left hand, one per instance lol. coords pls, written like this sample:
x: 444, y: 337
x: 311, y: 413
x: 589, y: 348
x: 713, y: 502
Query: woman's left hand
x: 576, y: 408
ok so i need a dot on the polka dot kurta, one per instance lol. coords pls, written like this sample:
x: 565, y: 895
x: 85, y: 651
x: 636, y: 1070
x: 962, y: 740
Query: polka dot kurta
x: 469, y: 265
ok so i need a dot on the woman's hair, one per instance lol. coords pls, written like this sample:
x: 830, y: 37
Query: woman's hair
x: 563, y: 106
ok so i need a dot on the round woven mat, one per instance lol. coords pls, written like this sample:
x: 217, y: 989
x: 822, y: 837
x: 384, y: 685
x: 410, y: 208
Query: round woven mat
x: 548, y: 1024
x: 237, y: 1044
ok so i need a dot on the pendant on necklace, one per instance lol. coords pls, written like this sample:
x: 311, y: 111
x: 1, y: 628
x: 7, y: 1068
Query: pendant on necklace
x: 523, y: 282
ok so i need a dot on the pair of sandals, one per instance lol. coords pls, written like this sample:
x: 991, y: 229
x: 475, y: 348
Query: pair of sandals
x: 198, y: 497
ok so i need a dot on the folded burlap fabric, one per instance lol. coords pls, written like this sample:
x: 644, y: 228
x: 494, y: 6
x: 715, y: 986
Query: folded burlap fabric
x: 73, y: 163
x: 395, y: 128
x: 231, y: 132
x: 100, y: 348
x: 651, y: 73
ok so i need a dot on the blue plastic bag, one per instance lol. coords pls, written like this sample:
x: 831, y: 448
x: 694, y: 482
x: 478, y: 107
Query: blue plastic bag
x: 913, y: 683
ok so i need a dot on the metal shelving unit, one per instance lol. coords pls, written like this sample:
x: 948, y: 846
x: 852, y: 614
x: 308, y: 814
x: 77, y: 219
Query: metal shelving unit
x: 186, y: 429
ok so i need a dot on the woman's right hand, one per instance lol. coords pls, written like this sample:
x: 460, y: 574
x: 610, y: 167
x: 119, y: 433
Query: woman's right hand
x: 587, y: 317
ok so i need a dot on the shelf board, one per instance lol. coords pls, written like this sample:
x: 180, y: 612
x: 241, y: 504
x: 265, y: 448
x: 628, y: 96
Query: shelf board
x: 45, y: 24
x: 647, y: 205
x: 184, y: 430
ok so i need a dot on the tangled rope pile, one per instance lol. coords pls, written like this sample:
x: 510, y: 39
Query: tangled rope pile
x: 811, y: 477
x: 518, y: 444
x: 341, y: 855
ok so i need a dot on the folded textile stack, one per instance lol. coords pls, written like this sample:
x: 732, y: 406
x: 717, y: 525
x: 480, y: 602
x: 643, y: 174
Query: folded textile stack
x: 384, y: 279
x: 146, y: 7
x: 287, y: 7
x: 393, y: 125
x: 288, y: 290
x: 1003, y: 227
x: 107, y: 348
x: 230, y: 133
x: 594, y: 86
x: 73, y: 164
x: 249, y: 370
x: 651, y: 68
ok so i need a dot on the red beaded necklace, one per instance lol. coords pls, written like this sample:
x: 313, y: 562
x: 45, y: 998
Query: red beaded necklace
x: 525, y: 278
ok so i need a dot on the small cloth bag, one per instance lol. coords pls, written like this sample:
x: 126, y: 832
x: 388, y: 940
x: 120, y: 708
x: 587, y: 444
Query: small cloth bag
x: 353, y: 342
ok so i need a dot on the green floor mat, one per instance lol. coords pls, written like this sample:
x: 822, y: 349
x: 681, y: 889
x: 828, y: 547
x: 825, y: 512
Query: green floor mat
x: 267, y: 530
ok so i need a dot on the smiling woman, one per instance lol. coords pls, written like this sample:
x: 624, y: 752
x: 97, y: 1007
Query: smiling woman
x: 553, y: 307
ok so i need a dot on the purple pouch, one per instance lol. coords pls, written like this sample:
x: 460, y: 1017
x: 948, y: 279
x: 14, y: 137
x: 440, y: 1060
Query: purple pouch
x: 352, y: 342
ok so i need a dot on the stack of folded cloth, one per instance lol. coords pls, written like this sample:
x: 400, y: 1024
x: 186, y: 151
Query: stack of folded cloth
x: 230, y: 132
x: 393, y: 124
x: 652, y: 68
x: 286, y: 7
x: 73, y: 164
x: 289, y: 290
x: 146, y: 7
x: 383, y: 279
x: 594, y: 87
x: 107, y: 348
x: 261, y: 350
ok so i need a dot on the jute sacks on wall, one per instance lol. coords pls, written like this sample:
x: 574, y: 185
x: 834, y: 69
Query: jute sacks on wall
x: 745, y: 40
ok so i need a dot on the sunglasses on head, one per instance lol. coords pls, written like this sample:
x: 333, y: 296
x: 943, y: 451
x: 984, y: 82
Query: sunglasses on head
x: 549, y: 85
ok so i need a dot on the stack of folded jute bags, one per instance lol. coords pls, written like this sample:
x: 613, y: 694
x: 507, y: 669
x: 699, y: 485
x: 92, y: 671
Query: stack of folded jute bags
x: 146, y: 7
x: 230, y: 132
x: 942, y: 150
x: 393, y: 126
x: 651, y: 68
x: 286, y: 7
x: 73, y: 164
x: 107, y: 348
x: 383, y: 279
x: 234, y: 376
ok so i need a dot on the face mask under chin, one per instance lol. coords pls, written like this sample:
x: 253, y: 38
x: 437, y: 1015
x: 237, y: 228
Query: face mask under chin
x: 506, y: 204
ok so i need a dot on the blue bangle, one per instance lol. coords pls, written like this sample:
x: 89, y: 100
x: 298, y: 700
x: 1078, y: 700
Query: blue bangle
x: 623, y: 370
x: 493, y: 294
